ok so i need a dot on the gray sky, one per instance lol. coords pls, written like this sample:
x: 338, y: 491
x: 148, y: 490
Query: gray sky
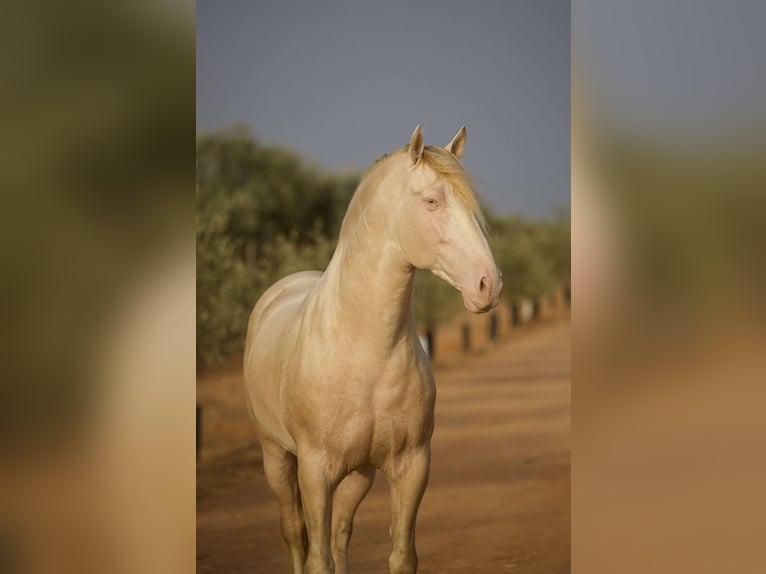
x: 344, y: 82
x: 687, y: 69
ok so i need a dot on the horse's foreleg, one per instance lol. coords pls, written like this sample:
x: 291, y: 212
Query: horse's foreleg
x: 281, y: 473
x: 348, y: 496
x: 408, y: 475
x: 316, y: 484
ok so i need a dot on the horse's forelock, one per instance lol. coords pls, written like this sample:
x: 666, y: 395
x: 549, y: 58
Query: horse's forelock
x: 444, y: 164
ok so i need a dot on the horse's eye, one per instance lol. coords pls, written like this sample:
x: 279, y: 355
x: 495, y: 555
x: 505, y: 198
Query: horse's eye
x: 431, y: 202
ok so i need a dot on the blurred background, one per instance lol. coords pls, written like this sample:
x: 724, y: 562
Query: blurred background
x: 97, y: 256
x: 668, y: 174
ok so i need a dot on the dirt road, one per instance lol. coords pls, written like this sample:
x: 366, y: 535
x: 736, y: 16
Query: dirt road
x: 498, y: 496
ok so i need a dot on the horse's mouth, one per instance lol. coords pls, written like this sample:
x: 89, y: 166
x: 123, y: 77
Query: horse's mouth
x: 478, y: 308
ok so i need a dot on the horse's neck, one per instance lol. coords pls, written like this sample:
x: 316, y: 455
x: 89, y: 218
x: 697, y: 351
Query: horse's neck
x: 367, y: 288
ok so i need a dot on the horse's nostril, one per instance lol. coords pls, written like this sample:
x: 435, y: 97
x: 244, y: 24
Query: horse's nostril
x: 483, y: 285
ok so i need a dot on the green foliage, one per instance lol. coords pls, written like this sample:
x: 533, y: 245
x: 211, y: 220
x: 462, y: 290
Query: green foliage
x: 274, y: 192
x: 285, y: 255
x: 223, y: 289
x: 533, y: 255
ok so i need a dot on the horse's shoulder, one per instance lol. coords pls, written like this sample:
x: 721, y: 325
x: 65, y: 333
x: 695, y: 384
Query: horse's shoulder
x: 312, y: 275
x: 295, y: 279
x: 286, y: 289
x: 301, y: 281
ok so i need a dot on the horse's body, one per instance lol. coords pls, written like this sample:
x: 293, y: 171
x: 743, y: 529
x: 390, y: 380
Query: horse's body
x: 337, y: 380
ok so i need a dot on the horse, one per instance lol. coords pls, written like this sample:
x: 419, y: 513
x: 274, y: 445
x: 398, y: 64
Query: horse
x: 337, y: 381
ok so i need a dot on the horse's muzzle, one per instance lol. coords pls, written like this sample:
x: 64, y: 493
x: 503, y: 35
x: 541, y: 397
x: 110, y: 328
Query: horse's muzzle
x: 486, y: 294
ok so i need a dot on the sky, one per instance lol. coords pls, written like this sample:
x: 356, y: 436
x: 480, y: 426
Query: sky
x: 344, y: 82
x: 689, y: 69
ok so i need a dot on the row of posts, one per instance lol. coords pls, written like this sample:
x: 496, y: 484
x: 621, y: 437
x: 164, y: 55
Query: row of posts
x: 515, y: 319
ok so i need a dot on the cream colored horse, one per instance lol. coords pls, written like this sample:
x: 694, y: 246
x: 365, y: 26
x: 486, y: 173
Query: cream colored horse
x: 336, y: 378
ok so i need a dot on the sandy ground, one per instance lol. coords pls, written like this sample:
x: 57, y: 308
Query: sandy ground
x: 498, y: 498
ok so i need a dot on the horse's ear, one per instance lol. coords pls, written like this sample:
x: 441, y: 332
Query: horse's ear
x: 457, y: 145
x: 416, y: 145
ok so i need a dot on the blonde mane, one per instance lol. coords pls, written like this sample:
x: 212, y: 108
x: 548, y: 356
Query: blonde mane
x: 446, y: 165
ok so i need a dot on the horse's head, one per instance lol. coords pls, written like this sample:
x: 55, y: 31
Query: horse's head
x: 441, y: 226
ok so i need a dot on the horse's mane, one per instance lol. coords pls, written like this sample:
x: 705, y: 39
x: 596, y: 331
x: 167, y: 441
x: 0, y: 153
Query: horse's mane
x: 380, y: 160
x: 446, y: 165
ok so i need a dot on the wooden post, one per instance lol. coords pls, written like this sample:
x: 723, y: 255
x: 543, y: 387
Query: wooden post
x: 430, y: 340
x: 466, y: 337
x: 515, y: 315
x: 199, y: 430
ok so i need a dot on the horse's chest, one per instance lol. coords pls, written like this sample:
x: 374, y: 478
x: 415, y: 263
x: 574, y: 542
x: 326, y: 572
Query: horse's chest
x: 403, y: 416
x: 368, y: 412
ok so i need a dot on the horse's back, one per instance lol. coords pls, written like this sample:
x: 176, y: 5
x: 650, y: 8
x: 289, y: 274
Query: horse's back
x: 267, y: 347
